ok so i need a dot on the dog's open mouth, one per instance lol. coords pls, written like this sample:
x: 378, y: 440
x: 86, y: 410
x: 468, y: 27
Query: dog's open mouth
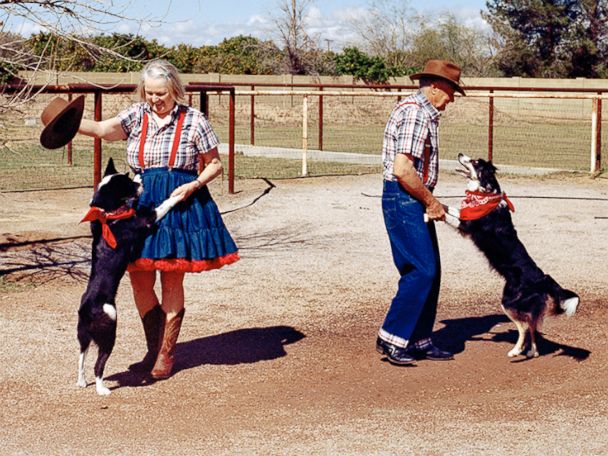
x: 469, y: 171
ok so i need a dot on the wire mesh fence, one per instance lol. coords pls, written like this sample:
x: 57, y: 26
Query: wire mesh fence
x: 529, y: 130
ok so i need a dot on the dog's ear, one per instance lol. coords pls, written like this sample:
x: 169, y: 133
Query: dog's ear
x: 110, y: 169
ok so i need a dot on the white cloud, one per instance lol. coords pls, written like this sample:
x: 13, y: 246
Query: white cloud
x: 258, y: 20
x: 25, y: 28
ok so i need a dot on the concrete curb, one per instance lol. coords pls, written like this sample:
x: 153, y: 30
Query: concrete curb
x: 362, y: 159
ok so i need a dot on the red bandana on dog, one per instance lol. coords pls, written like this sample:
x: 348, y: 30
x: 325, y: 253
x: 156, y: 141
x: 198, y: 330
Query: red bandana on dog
x: 98, y: 214
x: 479, y: 204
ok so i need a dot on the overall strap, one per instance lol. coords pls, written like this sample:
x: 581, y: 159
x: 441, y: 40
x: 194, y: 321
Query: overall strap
x: 427, y: 159
x: 142, y: 141
x: 176, y: 138
x: 427, y: 149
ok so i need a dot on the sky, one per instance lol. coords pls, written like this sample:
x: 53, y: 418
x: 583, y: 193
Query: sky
x: 207, y: 22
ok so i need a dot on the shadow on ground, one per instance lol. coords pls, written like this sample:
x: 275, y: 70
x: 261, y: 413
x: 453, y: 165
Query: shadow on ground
x: 456, y: 332
x: 242, y: 346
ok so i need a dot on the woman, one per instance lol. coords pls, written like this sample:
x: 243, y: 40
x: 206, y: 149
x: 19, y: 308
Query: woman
x: 166, y: 141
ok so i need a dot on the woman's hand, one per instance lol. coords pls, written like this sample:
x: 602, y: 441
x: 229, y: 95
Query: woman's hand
x: 184, y: 191
x: 212, y: 169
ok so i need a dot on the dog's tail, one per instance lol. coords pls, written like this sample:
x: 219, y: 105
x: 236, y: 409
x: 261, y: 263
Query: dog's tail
x: 563, y: 300
x: 569, y: 302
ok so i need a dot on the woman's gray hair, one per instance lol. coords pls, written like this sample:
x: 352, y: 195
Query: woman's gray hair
x: 161, y: 69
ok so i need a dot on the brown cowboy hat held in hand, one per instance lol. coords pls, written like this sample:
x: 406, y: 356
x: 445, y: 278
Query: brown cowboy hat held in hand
x: 441, y: 69
x: 61, y: 120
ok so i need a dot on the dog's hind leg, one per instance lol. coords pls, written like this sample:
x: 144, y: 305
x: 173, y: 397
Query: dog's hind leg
x: 105, y: 342
x: 521, y: 337
x: 84, y: 339
x: 101, y: 389
x: 82, y: 381
x: 533, y: 351
x: 100, y: 365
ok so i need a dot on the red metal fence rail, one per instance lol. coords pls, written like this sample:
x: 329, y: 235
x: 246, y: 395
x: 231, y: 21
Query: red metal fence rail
x: 99, y: 90
x: 252, y: 90
x: 493, y: 90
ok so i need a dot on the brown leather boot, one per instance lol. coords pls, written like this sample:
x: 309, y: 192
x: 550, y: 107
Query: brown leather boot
x: 164, y: 363
x: 154, y: 325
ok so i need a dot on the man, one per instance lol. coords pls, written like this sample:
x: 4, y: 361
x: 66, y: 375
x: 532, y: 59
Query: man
x: 410, y: 155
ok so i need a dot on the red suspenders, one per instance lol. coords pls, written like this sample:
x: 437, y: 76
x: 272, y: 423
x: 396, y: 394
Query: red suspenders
x: 176, y: 139
x: 427, y: 150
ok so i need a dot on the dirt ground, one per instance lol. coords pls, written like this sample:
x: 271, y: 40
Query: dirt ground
x: 276, y: 354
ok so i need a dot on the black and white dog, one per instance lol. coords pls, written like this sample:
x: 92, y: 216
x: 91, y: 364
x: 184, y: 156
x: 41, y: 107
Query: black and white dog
x: 485, y: 216
x: 118, y: 231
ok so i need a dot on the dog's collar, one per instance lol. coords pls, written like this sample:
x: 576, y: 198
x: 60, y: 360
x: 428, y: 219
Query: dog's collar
x: 479, y: 204
x: 98, y: 214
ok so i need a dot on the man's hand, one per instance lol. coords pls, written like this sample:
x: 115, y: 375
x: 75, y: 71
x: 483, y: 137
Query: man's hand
x: 405, y: 172
x: 435, y: 210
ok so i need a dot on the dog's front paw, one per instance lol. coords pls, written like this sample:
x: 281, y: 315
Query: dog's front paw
x: 81, y: 382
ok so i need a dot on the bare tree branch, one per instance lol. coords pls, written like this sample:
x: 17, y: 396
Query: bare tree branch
x: 292, y: 35
x: 69, y: 21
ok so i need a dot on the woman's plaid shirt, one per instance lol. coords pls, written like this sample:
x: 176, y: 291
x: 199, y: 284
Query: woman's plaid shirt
x: 412, y: 121
x: 197, y: 137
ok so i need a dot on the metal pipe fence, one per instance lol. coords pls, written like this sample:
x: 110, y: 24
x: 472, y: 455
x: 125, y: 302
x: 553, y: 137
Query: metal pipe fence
x: 549, y: 127
x: 29, y: 145
x: 337, y: 129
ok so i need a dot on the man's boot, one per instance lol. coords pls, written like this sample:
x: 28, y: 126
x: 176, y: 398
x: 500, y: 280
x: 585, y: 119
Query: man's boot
x: 164, y: 363
x: 154, y: 325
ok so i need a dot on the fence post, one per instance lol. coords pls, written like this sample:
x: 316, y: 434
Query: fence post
x: 598, y: 151
x: 204, y: 103
x: 69, y: 147
x: 594, y: 111
x: 97, y: 143
x: 304, y: 135
x: 491, y: 127
x: 252, y: 119
x: 231, y: 141
x: 321, y: 119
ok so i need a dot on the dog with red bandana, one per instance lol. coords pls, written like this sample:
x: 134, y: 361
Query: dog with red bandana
x: 529, y: 294
x: 118, y: 231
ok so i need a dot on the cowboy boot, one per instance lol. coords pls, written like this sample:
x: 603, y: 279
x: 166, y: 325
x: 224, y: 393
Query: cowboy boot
x: 164, y: 363
x: 154, y: 325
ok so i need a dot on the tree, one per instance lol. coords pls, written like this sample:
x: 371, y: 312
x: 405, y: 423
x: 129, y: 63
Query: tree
x: 588, y: 41
x: 405, y: 40
x: 293, y: 37
x: 130, y: 52
x: 248, y: 55
x: 371, y: 70
x: 387, y: 29
x: 63, y: 24
x: 450, y: 40
x: 14, y: 54
x: 550, y: 38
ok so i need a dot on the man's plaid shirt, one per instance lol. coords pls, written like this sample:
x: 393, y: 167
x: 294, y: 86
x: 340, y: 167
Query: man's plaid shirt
x: 412, y: 121
x: 197, y: 137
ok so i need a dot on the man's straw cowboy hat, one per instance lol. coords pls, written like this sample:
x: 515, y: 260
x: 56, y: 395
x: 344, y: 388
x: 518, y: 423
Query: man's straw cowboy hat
x: 441, y: 69
x: 61, y: 120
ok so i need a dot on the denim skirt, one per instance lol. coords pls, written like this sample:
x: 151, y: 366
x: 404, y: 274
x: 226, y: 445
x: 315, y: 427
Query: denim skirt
x: 192, y: 237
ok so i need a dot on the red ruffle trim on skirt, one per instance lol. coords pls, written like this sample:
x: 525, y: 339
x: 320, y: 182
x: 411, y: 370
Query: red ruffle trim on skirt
x: 182, y: 265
